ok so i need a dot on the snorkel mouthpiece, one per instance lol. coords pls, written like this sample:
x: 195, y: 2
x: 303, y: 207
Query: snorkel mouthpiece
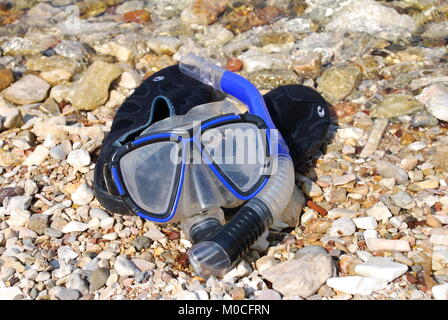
x: 220, y: 250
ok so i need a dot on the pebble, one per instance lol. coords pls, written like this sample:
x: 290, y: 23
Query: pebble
x: 98, y: 213
x: 98, y: 278
x: 342, y: 227
x: 338, y: 181
x: 76, y: 282
x: 75, y: 226
x: 92, y: 90
x: 311, y: 189
x: 11, y: 119
x: 78, y: 158
x: 389, y: 170
x: 38, y: 223
x: 395, y: 105
x: 187, y: 295
x: 435, y: 97
x: 154, y: 234
x: 439, y: 236
x: 366, y: 223
x: 29, y: 89
x: 37, y: 156
x: 82, y: 195
x: 302, y: 277
x: 10, y: 293
x: 442, y: 218
x: 265, y: 263
x: 381, y: 270
x: 18, y: 217
x: 6, y: 78
x: 371, y: 17
x: 400, y: 257
x: 107, y: 223
x: 439, y: 292
x: 268, y: 294
x: 58, y: 153
x: 19, y: 202
x: 387, y: 245
x: 67, y: 294
x: 341, y: 213
x: 338, y: 82
x: 379, y: 211
x: 439, y: 257
x: 403, y: 200
x: 130, y: 80
x: 357, y: 285
x: 141, y: 242
x: 125, y: 267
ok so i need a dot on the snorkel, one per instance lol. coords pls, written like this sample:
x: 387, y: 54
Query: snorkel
x: 219, y: 247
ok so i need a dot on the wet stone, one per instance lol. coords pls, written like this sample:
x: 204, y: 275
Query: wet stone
x: 338, y: 82
x: 395, y: 105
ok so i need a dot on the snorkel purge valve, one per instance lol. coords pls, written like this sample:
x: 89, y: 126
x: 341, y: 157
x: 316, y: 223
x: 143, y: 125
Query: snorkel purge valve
x: 219, y: 247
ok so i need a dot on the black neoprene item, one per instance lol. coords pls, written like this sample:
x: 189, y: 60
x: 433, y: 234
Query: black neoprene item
x: 300, y: 113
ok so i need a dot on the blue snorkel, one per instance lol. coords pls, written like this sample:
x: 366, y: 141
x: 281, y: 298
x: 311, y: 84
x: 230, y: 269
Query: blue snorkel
x: 221, y: 247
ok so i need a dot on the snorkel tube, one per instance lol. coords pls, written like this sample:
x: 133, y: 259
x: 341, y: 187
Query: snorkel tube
x: 219, y: 250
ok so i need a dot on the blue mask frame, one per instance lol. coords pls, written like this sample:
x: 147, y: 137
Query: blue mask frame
x: 186, y: 139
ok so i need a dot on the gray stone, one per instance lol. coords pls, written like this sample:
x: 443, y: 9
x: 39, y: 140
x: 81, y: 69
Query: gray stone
x: 53, y: 233
x: 98, y: 278
x: 302, y: 277
x: 389, y: 170
x: 403, y: 200
x: 38, y: 223
x: 141, y: 242
x: 310, y: 250
x: 58, y: 152
x: 76, y: 282
x: 67, y: 294
x: 125, y: 267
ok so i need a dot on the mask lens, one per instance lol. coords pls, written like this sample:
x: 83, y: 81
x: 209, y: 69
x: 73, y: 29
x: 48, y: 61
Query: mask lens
x: 238, y: 149
x: 149, y: 174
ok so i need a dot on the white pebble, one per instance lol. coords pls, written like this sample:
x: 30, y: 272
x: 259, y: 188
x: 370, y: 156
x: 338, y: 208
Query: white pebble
x: 357, y: 285
x: 381, y: 270
x: 365, y: 223
x: 18, y: 217
x: 107, y: 223
x: 37, y: 157
x: 82, y: 195
x: 75, y: 226
x: 388, y: 245
x: 342, y: 227
x: 78, y: 158
x: 379, y: 211
x: 440, y: 292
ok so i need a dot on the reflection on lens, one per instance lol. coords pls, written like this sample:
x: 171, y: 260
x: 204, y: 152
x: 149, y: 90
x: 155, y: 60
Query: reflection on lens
x: 149, y: 175
x: 238, y: 149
